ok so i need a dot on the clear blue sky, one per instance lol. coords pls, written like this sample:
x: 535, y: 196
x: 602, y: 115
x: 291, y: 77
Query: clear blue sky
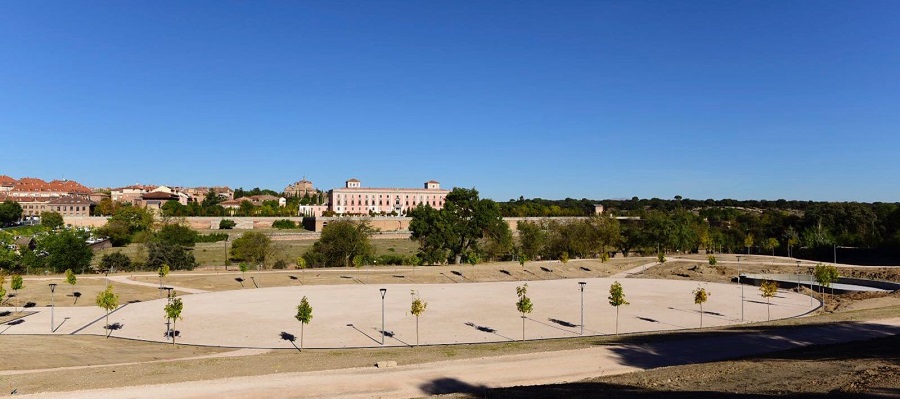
x: 704, y: 99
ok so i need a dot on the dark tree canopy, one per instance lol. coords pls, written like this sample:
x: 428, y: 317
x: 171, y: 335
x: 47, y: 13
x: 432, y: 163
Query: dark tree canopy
x: 63, y: 249
x: 51, y: 220
x: 457, y: 228
x: 341, y: 242
x: 251, y: 247
x: 10, y: 212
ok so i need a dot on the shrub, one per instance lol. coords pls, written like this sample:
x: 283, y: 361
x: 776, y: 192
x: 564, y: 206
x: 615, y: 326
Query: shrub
x: 280, y: 264
x: 227, y: 224
x: 712, y: 260
x: 284, y: 224
x: 213, y: 237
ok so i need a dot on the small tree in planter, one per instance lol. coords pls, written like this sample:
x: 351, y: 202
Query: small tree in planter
x: 700, y: 297
x: 768, y: 289
x: 71, y: 279
x: 523, y: 305
x: 304, y: 315
x: 108, y: 300
x: 163, y: 271
x: 617, y: 298
x: 173, y: 312
x: 16, y: 284
x: 417, y: 307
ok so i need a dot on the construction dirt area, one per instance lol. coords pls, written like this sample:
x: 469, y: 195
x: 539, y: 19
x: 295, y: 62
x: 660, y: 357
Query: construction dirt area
x: 238, y: 336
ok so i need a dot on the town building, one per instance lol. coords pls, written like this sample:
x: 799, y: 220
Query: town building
x: 255, y: 200
x: 199, y: 193
x: 299, y: 189
x: 354, y: 199
x: 36, y: 196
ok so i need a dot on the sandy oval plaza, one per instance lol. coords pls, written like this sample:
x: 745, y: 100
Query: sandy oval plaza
x: 347, y: 316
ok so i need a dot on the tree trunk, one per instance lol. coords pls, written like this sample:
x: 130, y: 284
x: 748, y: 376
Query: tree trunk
x: 617, y: 320
x: 417, y: 330
x: 108, y: 330
x: 173, y: 332
x: 523, y: 326
x: 768, y: 310
x: 701, y: 315
x: 301, y: 337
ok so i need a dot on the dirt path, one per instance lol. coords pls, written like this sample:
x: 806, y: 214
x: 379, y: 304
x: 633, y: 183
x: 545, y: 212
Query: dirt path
x: 235, y: 353
x: 128, y: 280
x: 528, y: 369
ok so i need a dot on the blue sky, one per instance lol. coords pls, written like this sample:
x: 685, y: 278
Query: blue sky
x: 704, y: 99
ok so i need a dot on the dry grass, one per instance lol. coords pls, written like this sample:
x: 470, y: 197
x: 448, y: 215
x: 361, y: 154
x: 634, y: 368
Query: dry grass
x: 221, y: 280
x: 36, y: 291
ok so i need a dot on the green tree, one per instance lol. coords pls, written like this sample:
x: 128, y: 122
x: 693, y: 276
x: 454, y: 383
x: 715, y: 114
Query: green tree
x: 3, y: 294
x: 71, y: 280
x: 523, y: 305
x: 341, y: 243
x: 175, y: 256
x: 770, y: 244
x: 472, y: 259
x: 301, y: 263
x: 108, y: 300
x: 617, y: 298
x: 700, y: 297
x: 251, y: 247
x: 748, y: 242
x: 162, y: 272
x: 10, y: 212
x: 16, y: 284
x: 712, y: 260
x: 52, y: 220
x: 127, y: 221
x: 522, y: 259
x: 304, y: 316
x: 532, y: 238
x: 177, y: 234
x: 227, y: 224
x: 64, y: 249
x: 768, y: 289
x: 115, y: 261
x: 173, y: 312
x: 457, y: 228
x: 417, y: 308
x: 825, y: 275
x: 661, y: 258
x: 564, y: 257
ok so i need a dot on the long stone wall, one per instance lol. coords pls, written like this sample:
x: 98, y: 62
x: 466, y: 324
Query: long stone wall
x: 382, y: 223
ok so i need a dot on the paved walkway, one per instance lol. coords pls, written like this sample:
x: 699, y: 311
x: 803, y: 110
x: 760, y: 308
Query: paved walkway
x: 351, y: 315
x: 473, y: 375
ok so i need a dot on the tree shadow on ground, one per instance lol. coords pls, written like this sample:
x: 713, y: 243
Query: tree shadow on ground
x: 5, y: 313
x: 290, y: 338
x: 587, y: 269
x: 587, y: 389
x: 487, y: 329
x: 506, y: 272
x: 563, y: 322
x: 76, y: 295
x: 29, y: 305
x: 239, y: 280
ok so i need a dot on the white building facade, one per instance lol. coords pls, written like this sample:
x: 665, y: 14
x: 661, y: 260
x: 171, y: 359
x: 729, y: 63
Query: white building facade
x: 354, y: 199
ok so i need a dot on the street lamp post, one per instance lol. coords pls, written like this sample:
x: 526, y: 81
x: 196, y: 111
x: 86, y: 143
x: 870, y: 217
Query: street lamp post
x: 383, y: 291
x: 582, y: 283
x: 52, y: 305
x: 742, y: 287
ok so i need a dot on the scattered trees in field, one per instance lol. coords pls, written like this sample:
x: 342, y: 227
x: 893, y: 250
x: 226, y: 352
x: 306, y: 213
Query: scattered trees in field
x: 304, y: 316
x: 417, y: 308
x: 768, y: 289
x: 825, y: 275
x: 523, y: 305
x: 108, y: 300
x: 341, y: 242
x: 700, y: 297
x: 617, y: 298
x: 173, y: 312
x: 251, y: 247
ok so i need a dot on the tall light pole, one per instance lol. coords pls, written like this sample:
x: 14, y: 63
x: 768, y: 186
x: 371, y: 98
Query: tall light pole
x: 383, y: 291
x: 582, y: 283
x: 742, y: 287
x: 52, y: 305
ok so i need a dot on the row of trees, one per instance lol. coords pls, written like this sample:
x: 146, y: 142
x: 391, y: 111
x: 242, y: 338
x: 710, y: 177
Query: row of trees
x: 774, y: 225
